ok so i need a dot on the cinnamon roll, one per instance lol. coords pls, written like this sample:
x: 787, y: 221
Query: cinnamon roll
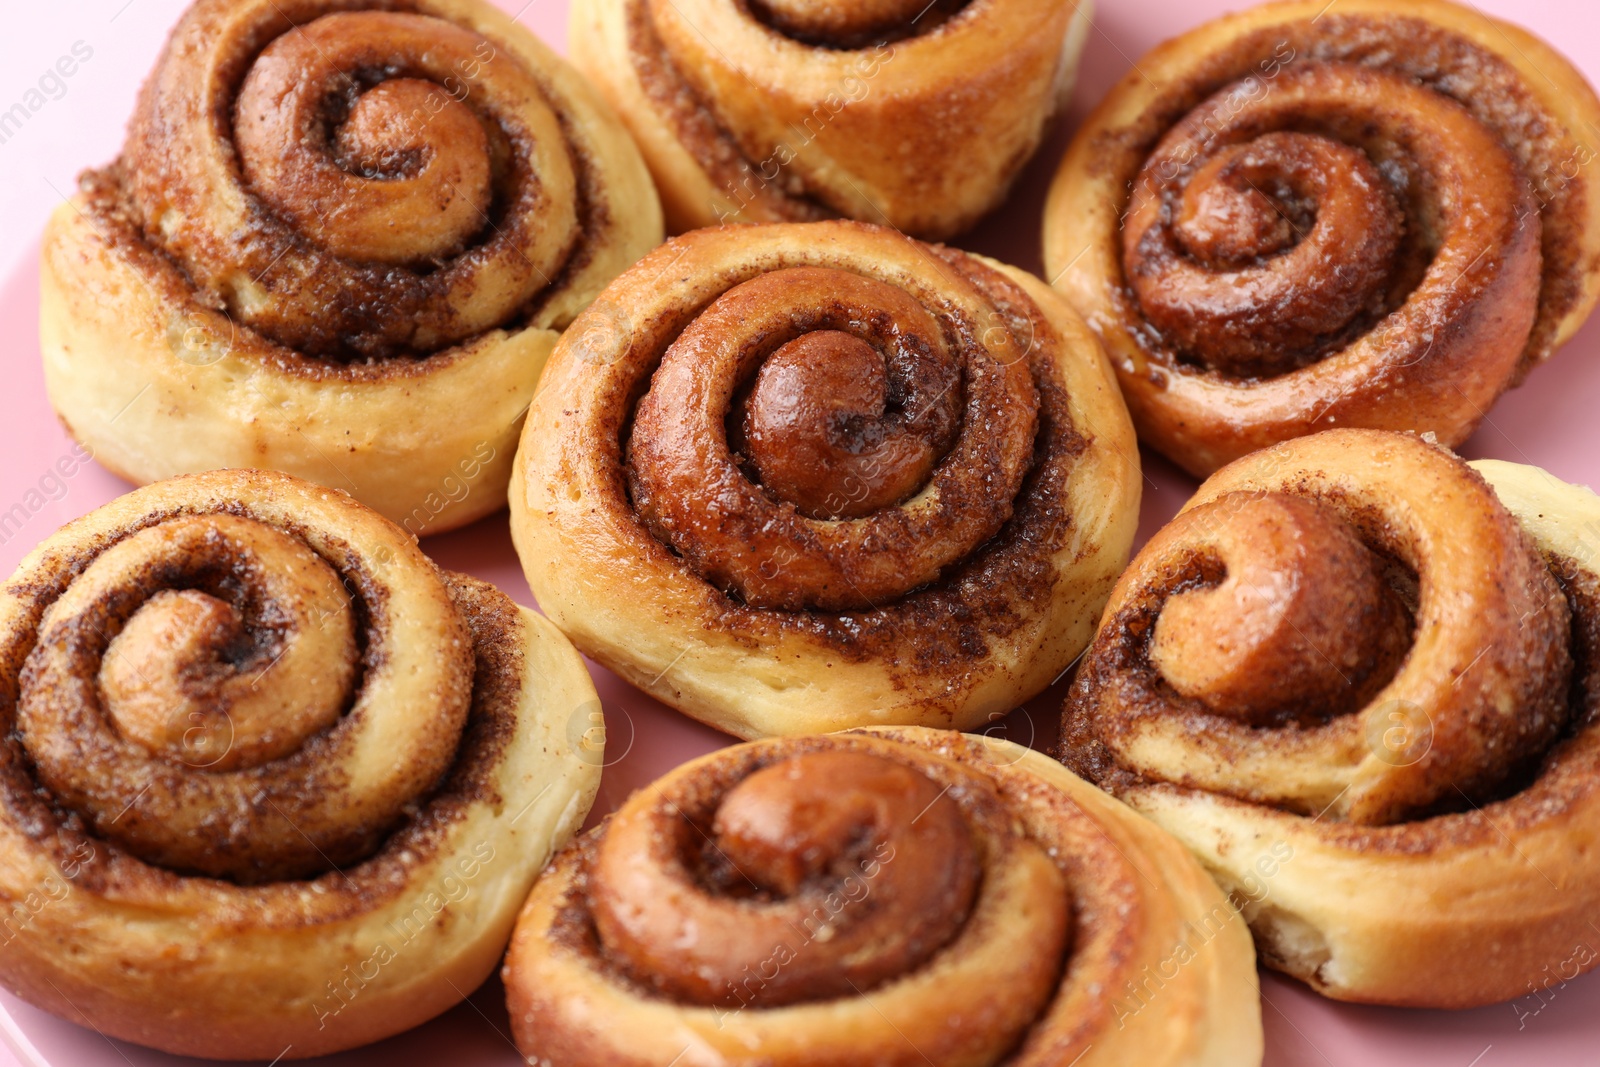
x: 341, y: 240
x: 1305, y: 215
x: 800, y: 477
x: 896, y: 897
x: 787, y: 111
x: 271, y: 784
x: 1386, y: 663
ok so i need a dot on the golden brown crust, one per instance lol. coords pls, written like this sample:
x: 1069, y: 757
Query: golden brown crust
x: 370, y: 309
x: 748, y: 114
x: 678, y: 614
x: 1261, y: 161
x: 1096, y: 939
x: 1469, y: 776
x: 361, y: 934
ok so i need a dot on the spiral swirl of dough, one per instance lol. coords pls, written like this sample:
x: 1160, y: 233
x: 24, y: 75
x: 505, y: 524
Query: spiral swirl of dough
x: 1382, y: 660
x: 238, y: 707
x: 1293, y: 219
x: 840, y: 899
x: 340, y: 241
x: 885, y: 464
x: 884, y: 453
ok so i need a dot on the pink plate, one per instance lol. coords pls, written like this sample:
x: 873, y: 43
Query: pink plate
x: 1549, y: 422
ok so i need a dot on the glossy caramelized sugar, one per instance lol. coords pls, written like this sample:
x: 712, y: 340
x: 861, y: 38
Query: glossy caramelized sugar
x: 802, y: 476
x: 1294, y: 218
x: 788, y: 833
x: 1358, y: 646
x: 980, y: 403
x: 821, y: 416
x: 893, y: 898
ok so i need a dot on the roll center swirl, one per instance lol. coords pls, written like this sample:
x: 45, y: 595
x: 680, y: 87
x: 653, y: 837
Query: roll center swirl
x: 1301, y: 626
x: 1270, y: 228
x: 373, y: 185
x: 817, y: 438
x: 188, y: 675
x: 404, y: 175
x: 831, y: 428
x: 220, y: 695
x: 1355, y: 630
x: 854, y: 868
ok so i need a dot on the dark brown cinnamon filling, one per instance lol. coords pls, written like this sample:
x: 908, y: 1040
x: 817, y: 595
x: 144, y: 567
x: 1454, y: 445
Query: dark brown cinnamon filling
x: 359, y: 857
x: 957, y: 396
x: 1252, y: 335
x: 377, y: 278
x: 953, y: 621
x: 764, y: 866
x: 768, y: 187
x: 1539, y: 773
x: 853, y: 24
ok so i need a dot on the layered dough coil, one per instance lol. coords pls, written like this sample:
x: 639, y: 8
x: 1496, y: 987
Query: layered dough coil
x: 271, y: 784
x: 1383, y: 665
x: 800, y: 477
x: 341, y: 240
x: 1300, y: 217
x: 896, y: 897
x: 787, y: 111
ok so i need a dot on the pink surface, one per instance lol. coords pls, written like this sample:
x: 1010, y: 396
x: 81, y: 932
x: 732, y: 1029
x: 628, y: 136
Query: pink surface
x: 1548, y: 422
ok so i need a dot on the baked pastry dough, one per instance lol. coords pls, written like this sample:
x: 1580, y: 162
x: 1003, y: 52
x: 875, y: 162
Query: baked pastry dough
x: 800, y: 477
x: 273, y: 784
x: 787, y: 111
x: 340, y: 241
x: 1300, y: 216
x: 896, y: 897
x: 1359, y: 650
